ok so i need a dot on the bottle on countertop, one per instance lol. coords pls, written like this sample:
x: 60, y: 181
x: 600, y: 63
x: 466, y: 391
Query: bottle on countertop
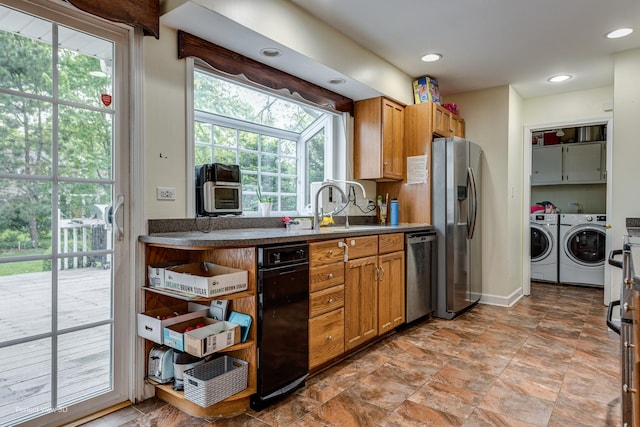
x: 394, y: 215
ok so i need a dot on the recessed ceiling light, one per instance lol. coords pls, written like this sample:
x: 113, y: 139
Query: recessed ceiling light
x: 620, y: 32
x: 431, y: 57
x: 270, y: 52
x: 337, y: 81
x: 559, y: 78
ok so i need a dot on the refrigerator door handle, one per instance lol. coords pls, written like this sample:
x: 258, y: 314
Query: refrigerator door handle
x: 472, y: 205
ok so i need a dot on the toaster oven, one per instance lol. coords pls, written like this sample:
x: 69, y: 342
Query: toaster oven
x: 218, y: 190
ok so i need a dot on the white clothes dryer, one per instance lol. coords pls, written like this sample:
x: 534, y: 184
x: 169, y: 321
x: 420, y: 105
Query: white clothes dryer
x: 582, y: 249
x: 544, y: 247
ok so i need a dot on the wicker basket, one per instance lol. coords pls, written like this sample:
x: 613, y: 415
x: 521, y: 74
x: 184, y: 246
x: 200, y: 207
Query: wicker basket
x: 216, y: 380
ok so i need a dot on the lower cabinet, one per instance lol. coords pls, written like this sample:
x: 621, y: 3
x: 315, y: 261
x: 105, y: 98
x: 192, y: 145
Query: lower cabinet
x: 326, y: 301
x: 391, y: 286
x: 353, y: 302
x: 243, y: 302
x: 361, y: 301
x: 326, y: 337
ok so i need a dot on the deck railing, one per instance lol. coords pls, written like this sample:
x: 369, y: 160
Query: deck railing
x: 82, y: 235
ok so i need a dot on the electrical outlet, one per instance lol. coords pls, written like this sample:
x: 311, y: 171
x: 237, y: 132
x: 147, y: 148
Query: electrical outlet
x: 165, y: 193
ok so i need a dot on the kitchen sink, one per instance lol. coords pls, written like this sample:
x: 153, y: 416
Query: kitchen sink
x: 342, y: 228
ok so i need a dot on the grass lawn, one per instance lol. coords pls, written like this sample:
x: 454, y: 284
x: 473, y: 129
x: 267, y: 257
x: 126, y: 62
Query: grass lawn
x: 10, y: 268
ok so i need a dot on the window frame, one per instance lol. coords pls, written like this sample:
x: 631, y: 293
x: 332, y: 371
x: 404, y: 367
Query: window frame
x: 325, y: 122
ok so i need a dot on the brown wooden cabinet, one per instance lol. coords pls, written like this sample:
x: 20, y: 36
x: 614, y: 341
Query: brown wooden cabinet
x: 352, y: 303
x: 391, y: 286
x: 441, y: 120
x: 445, y: 123
x: 378, y: 140
x: 423, y: 122
x: 244, y: 302
x: 361, y: 291
x: 326, y: 301
x: 457, y: 124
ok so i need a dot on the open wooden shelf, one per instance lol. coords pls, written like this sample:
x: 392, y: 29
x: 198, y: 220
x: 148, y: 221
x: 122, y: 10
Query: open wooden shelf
x: 243, y: 258
x: 196, y: 298
x: 233, y: 405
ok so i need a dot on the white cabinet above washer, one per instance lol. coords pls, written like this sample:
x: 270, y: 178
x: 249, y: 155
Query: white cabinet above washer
x: 578, y: 163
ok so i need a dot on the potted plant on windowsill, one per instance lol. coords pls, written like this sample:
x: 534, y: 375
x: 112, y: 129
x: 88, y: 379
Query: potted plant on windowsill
x: 263, y: 202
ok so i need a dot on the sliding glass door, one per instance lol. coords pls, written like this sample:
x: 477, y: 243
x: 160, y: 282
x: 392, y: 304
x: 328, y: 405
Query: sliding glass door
x: 62, y: 188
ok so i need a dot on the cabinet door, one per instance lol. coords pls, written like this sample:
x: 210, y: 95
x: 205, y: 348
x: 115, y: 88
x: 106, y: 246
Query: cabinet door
x: 457, y: 124
x: 326, y: 337
x: 442, y: 121
x: 546, y: 165
x: 392, y: 139
x: 391, y: 301
x: 361, y: 301
x: 582, y: 163
x: 378, y: 139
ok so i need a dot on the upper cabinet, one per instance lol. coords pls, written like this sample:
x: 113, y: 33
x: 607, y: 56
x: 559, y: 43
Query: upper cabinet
x: 379, y: 140
x: 584, y: 163
x: 445, y: 123
x: 576, y: 163
x: 546, y: 165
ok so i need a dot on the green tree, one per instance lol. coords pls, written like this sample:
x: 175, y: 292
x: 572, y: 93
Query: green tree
x: 26, y: 125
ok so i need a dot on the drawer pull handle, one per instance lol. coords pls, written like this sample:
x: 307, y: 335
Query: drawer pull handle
x: 329, y: 338
x: 627, y: 345
x: 330, y: 300
x: 353, y: 242
x: 628, y: 389
x: 330, y: 275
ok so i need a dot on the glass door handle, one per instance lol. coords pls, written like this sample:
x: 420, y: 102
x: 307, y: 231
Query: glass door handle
x: 118, y: 226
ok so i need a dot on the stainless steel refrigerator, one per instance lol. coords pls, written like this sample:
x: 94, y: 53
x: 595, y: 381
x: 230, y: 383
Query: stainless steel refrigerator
x: 455, y: 208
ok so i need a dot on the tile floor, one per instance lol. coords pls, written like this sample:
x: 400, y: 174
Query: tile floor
x: 547, y: 361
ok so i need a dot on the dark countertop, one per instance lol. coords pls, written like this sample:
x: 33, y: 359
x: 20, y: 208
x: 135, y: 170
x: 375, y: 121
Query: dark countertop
x: 269, y: 235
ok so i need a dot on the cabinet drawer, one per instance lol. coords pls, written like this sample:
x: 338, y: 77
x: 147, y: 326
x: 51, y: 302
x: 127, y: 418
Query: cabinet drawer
x: 391, y: 243
x: 362, y: 246
x: 326, y: 276
x: 326, y: 300
x: 327, y: 252
x: 326, y: 337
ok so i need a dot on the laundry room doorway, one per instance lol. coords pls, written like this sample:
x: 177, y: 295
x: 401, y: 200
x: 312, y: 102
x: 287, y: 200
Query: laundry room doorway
x: 565, y: 172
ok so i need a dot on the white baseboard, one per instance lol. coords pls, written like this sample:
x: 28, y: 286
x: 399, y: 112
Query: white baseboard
x: 503, y: 301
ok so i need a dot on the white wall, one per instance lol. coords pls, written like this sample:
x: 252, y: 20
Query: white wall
x: 625, y: 171
x: 287, y: 24
x: 486, y: 114
x: 518, y: 229
x: 571, y: 107
x: 164, y: 125
x: 592, y: 197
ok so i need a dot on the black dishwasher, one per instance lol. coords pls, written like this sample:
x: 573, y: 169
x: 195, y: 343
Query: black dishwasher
x: 283, y: 322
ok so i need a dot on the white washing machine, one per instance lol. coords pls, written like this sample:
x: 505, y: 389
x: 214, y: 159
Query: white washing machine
x: 582, y: 249
x: 544, y: 247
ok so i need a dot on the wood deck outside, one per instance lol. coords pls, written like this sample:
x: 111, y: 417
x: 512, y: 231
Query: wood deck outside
x: 84, y: 362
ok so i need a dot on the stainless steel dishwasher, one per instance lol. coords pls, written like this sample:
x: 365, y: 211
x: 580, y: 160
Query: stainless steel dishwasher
x: 420, y: 274
x: 283, y: 322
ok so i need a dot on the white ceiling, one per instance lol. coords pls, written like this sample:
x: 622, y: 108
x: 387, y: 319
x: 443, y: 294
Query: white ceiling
x: 488, y: 43
x: 484, y: 43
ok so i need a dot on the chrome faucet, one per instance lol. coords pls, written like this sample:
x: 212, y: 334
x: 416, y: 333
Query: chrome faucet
x: 316, y: 217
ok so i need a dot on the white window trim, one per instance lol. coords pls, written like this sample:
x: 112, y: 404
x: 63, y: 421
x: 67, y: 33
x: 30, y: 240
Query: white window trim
x: 335, y: 145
